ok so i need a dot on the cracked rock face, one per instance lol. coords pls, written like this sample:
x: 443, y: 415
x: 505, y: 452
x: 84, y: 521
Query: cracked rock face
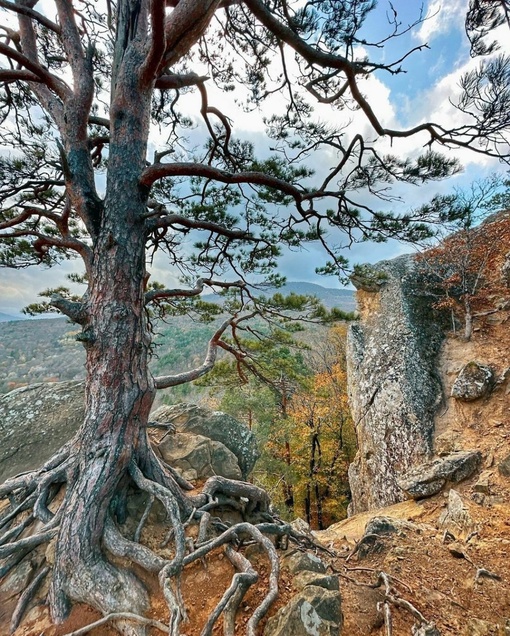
x: 394, y: 389
x: 35, y: 421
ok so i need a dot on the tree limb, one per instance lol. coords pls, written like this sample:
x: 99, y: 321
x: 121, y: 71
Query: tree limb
x: 164, y: 382
x: 157, y: 294
x: 35, y: 15
x: 169, y: 220
x: 52, y: 82
x: 175, y: 81
x: 157, y: 42
x: 161, y: 170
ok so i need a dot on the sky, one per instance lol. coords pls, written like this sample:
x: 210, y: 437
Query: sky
x: 422, y: 93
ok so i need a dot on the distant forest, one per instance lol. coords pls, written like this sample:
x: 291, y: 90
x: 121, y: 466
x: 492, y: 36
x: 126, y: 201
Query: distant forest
x: 46, y: 350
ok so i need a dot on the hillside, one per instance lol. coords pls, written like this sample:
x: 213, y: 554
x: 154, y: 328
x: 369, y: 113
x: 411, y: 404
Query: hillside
x: 46, y: 350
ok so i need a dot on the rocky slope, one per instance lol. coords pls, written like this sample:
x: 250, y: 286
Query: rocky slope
x: 445, y: 549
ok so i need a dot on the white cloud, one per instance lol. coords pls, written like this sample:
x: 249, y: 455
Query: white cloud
x: 441, y: 17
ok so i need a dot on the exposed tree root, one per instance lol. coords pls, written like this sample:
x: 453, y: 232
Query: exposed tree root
x: 125, y: 616
x: 38, y: 507
x: 26, y: 597
x: 392, y: 599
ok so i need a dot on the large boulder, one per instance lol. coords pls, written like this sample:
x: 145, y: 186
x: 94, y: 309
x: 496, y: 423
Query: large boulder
x: 315, y: 611
x: 198, y: 457
x: 220, y: 427
x: 474, y: 381
x: 429, y: 478
x: 394, y: 389
x: 35, y: 421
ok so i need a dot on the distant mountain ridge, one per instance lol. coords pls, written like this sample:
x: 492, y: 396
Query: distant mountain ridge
x: 330, y: 297
x: 46, y: 349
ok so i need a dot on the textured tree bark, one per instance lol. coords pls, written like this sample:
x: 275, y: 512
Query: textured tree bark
x: 119, y: 395
x: 468, y: 319
x: 119, y: 388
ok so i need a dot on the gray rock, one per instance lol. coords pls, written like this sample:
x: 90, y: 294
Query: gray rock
x: 305, y: 578
x: 483, y: 484
x: 199, y: 456
x: 426, y: 629
x: 299, y: 561
x: 393, y: 386
x: 313, y: 612
x: 386, y: 525
x: 17, y: 580
x: 456, y: 518
x: 504, y: 467
x: 429, y: 478
x: 376, y: 529
x: 189, y: 418
x: 35, y: 421
x: 474, y: 381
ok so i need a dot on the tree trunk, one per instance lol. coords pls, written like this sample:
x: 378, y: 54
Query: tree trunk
x: 119, y: 388
x: 119, y: 395
x: 468, y: 319
x: 288, y: 490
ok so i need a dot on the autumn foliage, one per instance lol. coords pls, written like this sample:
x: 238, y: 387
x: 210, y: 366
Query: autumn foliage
x: 307, y: 448
x: 464, y: 272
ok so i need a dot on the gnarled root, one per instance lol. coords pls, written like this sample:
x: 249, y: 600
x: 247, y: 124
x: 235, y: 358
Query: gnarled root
x: 43, y: 502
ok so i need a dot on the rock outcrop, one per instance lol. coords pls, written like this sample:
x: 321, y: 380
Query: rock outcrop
x: 220, y: 427
x: 474, y: 381
x: 316, y: 610
x: 394, y: 389
x: 35, y: 421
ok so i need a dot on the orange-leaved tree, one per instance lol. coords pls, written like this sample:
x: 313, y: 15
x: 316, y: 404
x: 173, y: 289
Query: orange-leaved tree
x: 463, y: 272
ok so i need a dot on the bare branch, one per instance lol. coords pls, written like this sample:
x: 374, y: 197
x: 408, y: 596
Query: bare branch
x: 10, y: 75
x: 74, y: 310
x: 161, y: 170
x: 170, y: 220
x: 175, y: 81
x: 157, y: 294
x: 309, y: 53
x: 163, y: 382
x: 99, y: 121
x: 27, y: 11
x: 52, y: 82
